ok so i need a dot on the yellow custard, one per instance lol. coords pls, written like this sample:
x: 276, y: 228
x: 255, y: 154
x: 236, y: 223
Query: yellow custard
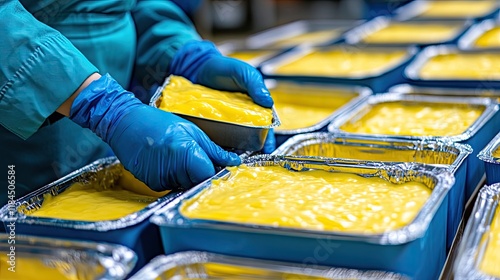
x: 217, y: 271
x: 314, y: 37
x: 496, y: 153
x: 457, y: 9
x: 183, y: 97
x: 490, y: 38
x: 475, y: 66
x: 419, y: 119
x: 249, y: 56
x: 36, y: 269
x: 491, y: 258
x: 314, y: 199
x: 405, y: 33
x: 344, y: 63
x: 300, y: 107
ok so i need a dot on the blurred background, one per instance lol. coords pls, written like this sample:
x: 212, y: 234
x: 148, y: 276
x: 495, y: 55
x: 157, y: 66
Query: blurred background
x: 218, y: 20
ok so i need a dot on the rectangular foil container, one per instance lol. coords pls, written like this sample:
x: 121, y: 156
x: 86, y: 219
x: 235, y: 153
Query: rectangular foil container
x: 134, y: 230
x: 491, y: 163
x: 232, y: 46
x: 412, y: 72
x: 413, y: 10
x: 74, y: 259
x: 361, y: 92
x: 451, y: 156
x: 225, y: 134
x: 195, y: 265
x: 468, y: 39
x: 477, y: 135
x: 416, y: 250
x: 476, y: 236
x: 356, y: 35
x: 271, y: 36
x: 378, y: 82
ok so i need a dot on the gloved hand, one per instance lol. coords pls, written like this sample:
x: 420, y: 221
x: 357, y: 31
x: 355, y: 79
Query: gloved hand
x: 202, y: 63
x: 160, y: 149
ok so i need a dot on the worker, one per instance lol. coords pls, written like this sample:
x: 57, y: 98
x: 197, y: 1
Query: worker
x: 64, y: 66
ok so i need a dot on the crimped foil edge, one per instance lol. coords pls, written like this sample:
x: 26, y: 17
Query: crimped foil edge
x: 486, y: 154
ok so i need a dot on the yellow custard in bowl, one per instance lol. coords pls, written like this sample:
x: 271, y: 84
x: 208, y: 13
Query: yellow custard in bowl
x: 315, y: 199
x: 491, y: 259
x: 249, y: 55
x: 314, y: 37
x: 415, y: 119
x: 457, y: 9
x: 183, y: 97
x: 473, y: 66
x: 408, y: 33
x: 489, y: 39
x: 342, y: 62
x: 94, y: 202
x: 301, y: 107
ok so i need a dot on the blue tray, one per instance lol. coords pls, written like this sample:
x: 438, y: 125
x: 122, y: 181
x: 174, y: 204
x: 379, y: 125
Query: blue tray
x: 476, y: 236
x: 378, y: 82
x: 477, y: 135
x: 491, y: 163
x: 416, y: 250
x: 412, y: 72
x: 361, y: 94
x: 134, y: 230
x: 413, y: 9
x: 200, y: 265
x: 71, y: 258
x: 357, y: 35
x: 451, y: 156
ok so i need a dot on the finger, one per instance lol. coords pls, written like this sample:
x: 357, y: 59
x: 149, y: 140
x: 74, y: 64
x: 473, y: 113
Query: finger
x: 218, y: 155
x: 198, y: 167
x: 270, y: 144
x: 251, y: 81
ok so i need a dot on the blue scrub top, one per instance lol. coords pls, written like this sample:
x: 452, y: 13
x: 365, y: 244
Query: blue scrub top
x: 49, y: 48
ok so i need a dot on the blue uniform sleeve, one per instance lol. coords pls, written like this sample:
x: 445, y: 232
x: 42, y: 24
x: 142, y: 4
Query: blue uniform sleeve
x: 39, y: 70
x: 162, y: 28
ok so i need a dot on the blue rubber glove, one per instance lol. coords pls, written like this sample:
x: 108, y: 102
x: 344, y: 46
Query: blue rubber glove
x: 160, y: 149
x: 202, y: 63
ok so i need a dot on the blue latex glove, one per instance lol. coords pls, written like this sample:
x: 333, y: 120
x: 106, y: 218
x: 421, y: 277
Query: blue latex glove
x: 202, y: 63
x: 160, y: 149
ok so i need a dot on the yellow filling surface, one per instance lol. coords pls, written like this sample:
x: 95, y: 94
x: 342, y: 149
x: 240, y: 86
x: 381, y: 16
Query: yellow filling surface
x: 413, y: 33
x: 342, y: 63
x: 36, y: 269
x: 490, y: 38
x: 457, y: 9
x: 315, y: 37
x: 462, y: 66
x: 394, y: 118
x: 183, y: 97
x: 313, y: 199
x: 491, y: 258
x: 300, y: 107
x: 248, y: 56
x: 496, y: 153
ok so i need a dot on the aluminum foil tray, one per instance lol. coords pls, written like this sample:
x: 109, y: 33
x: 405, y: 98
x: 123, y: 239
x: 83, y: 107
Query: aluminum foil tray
x: 378, y: 82
x: 203, y: 265
x: 361, y: 94
x: 134, y: 230
x: 233, y: 46
x: 491, y: 162
x: 47, y: 258
x: 451, y: 156
x: 357, y: 35
x: 477, y: 135
x: 468, y: 39
x: 476, y: 236
x: 228, y: 135
x: 412, y: 72
x: 414, y: 9
x: 494, y: 94
x: 416, y: 250
x: 273, y: 36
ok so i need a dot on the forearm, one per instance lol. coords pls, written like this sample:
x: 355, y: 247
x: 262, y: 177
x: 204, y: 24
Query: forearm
x: 65, y: 108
